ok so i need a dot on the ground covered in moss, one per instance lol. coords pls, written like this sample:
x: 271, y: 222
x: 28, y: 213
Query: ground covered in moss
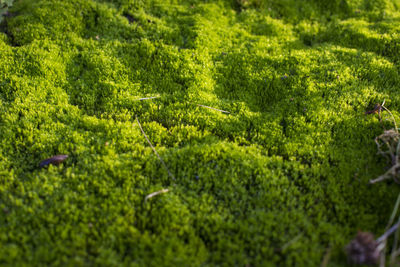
x: 280, y: 180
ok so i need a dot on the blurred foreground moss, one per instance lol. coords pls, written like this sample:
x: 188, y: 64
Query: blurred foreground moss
x: 277, y: 181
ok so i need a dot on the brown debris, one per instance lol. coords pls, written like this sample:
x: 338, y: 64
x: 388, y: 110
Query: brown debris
x: 55, y: 160
x: 377, y: 109
x: 363, y: 249
x: 130, y: 18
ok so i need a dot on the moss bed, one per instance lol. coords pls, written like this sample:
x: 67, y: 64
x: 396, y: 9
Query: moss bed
x: 280, y: 180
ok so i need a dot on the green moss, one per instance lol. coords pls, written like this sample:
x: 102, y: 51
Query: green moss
x: 277, y: 181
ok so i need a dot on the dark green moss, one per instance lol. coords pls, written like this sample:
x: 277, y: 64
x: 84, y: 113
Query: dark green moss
x: 277, y: 181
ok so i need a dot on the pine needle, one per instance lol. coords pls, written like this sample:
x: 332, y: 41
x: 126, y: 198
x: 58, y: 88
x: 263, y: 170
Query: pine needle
x: 162, y: 191
x: 326, y: 257
x: 220, y: 110
x: 291, y: 242
x: 155, y: 151
x: 147, y: 98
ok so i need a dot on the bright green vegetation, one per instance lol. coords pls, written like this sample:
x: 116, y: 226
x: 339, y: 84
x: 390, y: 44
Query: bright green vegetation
x: 278, y: 181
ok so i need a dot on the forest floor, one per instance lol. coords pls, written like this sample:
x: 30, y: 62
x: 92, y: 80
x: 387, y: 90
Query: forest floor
x: 256, y: 109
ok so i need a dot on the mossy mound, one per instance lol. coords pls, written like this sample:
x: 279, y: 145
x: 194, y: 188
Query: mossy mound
x: 276, y: 181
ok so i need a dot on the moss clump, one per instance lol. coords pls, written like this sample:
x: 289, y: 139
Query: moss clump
x: 277, y: 181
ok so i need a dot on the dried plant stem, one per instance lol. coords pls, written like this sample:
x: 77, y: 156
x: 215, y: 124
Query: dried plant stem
x: 382, y: 258
x: 393, y: 255
x: 155, y: 151
x: 394, y: 121
x: 288, y: 244
x: 162, y: 191
x: 383, y: 239
x: 220, y: 110
x: 326, y: 257
x: 388, y: 233
x: 394, y: 212
x: 388, y: 145
x: 146, y: 98
x: 392, y: 171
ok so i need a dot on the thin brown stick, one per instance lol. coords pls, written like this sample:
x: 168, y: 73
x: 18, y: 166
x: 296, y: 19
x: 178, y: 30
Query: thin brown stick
x: 155, y: 151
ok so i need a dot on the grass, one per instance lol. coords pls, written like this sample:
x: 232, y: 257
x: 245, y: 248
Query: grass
x: 282, y: 179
